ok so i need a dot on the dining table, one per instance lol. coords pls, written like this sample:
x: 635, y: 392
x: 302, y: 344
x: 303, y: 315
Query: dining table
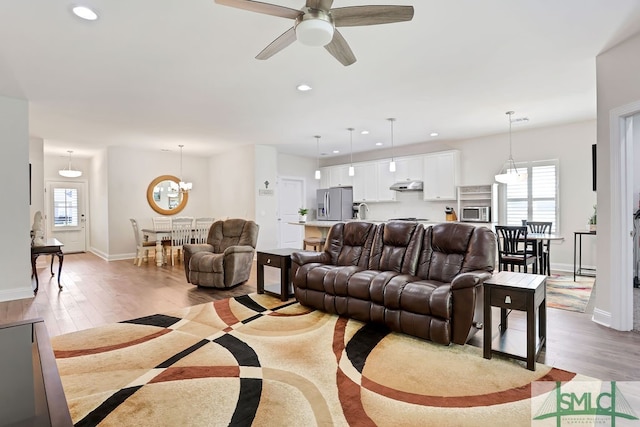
x: 540, y: 239
x: 149, y: 234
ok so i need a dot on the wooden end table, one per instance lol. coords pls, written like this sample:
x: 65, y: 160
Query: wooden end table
x: 516, y: 291
x: 278, y: 258
x: 51, y: 247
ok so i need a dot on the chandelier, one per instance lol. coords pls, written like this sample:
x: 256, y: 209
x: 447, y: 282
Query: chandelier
x: 509, y: 173
x: 185, y: 187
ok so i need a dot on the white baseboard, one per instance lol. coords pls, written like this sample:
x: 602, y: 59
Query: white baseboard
x: 116, y: 257
x: 602, y: 317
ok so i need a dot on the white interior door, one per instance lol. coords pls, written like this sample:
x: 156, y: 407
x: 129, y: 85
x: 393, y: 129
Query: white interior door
x: 290, y: 198
x: 66, y: 214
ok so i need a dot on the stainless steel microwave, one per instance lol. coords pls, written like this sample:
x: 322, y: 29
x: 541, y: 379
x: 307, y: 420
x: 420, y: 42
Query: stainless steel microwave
x: 476, y: 214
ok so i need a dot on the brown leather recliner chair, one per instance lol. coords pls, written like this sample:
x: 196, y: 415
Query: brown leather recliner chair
x: 226, y: 259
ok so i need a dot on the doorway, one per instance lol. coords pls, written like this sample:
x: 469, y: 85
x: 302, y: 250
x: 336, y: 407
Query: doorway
x: 291, y: 197
x: 621, y: 186
x: 65, y: 208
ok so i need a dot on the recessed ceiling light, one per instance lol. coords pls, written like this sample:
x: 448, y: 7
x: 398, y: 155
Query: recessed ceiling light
x: 378, y: 143
x: 364, y: 132
x: 85, y: 13
x: 434, y: 134
x: 304, y: 87
x: 336, y: 151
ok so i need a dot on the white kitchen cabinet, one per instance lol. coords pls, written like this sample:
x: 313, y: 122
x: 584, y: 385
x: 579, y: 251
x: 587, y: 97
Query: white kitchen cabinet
x: 365, y: 182
x: 325, y: 177
x: 409, y: 169
x: 384, y: 180
x: 339, y: 176
x: 441, y: 175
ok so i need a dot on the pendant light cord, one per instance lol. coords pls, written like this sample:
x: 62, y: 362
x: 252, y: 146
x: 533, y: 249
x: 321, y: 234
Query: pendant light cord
x: 351, y: 143
x: 511, y: 161
x: 391, y: 120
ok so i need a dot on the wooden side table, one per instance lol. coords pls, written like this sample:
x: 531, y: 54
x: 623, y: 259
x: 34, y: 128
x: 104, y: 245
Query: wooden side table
x: 278, y: 258
x: 516, y: 291
x: 51, y: 247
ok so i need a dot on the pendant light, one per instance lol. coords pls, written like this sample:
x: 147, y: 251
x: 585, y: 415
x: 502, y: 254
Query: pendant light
x: 509, y: 173
x: 352, y: 171
x: 70, y: 173
x: 392, y: 164
x: 185, y: 187
x: 317, y: 137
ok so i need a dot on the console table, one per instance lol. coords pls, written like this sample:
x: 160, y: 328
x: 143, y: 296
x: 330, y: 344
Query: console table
x: 51, y: 247
x: 579, y: 271
x: 516, y: 291
x: 278, y: 258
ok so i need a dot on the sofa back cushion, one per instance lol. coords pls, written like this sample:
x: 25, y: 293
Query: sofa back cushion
x: 449, y: 249
x: 350, y: 243
x: 232, y: 232
x: 396, y: 247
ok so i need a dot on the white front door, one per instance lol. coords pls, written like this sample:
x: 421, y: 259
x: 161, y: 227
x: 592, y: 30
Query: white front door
x: 65, y: 216
x: 290, y: 199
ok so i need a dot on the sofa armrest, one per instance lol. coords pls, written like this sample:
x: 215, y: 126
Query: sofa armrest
x: 470, y: 279
x: 190, y: 249
x: 238, y: 250
x: 306, y: 257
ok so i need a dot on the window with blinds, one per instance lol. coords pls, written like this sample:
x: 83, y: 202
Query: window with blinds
x: 65, y: 207
x: 535, y: 199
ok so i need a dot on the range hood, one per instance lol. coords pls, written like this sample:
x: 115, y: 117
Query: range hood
x: 407, y: 186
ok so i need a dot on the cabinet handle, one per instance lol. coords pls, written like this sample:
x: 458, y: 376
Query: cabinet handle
x: 269, y: 262
x: 507, y: 299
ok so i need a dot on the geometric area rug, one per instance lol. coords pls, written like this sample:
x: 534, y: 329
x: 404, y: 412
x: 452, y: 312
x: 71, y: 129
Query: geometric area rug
x: 564, y: 293
x: 254, y: 360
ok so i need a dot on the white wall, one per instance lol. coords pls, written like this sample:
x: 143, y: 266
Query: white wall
x: 98, y: 215
x: 617, y: 72
x: 15, y: 254
x: 266, y: 170
x: 36, y: 159
x: 232, y: 184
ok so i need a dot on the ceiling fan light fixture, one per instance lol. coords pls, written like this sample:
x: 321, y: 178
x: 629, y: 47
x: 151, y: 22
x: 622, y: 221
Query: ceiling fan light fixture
x: 314, y: 32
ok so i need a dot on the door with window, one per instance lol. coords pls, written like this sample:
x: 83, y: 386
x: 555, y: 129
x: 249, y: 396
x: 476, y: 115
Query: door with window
x: 65, y: 216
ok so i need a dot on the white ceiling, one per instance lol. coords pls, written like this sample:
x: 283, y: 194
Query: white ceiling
x: 153, y: 74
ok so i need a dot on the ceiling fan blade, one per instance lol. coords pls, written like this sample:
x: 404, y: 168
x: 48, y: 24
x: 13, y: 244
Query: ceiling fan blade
x: 340, y: 50
x: 259, y: 7
x: 320, y: 4
x: 354, y: 16
x: 278, y: 44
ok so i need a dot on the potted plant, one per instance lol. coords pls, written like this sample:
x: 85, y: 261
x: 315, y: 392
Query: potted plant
x: 593, y: 219
x: 303, y: 214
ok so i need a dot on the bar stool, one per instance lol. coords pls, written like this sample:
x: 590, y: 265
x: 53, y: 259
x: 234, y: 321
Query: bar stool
x: 315, y: 242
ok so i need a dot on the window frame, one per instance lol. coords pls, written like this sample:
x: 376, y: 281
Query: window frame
x: 528, y: 166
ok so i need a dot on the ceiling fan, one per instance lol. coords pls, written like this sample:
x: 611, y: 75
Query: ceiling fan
x: 316, y: 23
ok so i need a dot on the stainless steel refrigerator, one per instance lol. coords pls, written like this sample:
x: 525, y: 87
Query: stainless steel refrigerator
x: 335, y: 204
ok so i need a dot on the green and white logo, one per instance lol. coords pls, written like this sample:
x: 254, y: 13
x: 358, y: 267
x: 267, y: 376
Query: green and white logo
x: 583, y: 403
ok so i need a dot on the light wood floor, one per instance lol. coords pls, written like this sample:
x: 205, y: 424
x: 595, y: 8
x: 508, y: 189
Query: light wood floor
x: 97, y: 292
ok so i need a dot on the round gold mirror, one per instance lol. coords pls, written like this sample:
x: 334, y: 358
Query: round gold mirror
x: 164, y: 195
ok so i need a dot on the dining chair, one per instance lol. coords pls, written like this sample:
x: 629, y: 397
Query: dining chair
x: 513, y: 250
x: 201, y: 229
x: 542, y: 227
x: 142, y: 247
x: 181, y: 233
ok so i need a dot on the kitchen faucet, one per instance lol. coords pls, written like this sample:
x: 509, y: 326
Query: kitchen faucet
x: 362, y: 210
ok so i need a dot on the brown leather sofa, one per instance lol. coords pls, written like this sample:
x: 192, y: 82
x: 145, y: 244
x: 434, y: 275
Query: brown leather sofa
x: 421, y: 280
x: 227, y: 257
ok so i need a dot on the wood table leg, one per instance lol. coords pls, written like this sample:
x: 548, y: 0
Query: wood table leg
x: 531, y: 333
x: 60, y: 259
x: 34, y: 273
x: 260, y: 279
x: 159, y: 258
x: 486, y: 344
